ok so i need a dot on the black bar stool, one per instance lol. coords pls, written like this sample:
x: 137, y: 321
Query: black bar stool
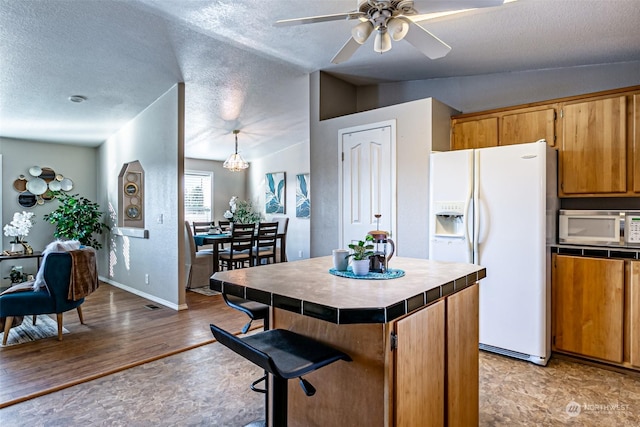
x: 285, y: 355
x: 255, y: 310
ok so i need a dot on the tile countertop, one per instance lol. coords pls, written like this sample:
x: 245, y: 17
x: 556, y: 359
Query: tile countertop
x: 596, y: 251
x: 306, y: 287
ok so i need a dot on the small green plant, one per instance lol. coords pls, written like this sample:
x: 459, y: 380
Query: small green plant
x: 362, y: 249
x: 77, y: 218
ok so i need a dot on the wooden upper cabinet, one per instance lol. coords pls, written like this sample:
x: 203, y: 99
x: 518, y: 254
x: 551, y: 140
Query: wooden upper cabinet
x: 530, y: 126
x: 635, y: 147
x: 475, y: 134
x: 588, y: 306
x: 594, y: 147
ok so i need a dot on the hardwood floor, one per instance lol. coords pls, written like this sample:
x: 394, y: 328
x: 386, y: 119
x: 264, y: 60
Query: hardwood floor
x: 120, y: 331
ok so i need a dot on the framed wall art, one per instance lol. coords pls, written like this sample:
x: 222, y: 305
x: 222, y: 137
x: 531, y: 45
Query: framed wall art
x: 303, y: 202
x: 275, y: 193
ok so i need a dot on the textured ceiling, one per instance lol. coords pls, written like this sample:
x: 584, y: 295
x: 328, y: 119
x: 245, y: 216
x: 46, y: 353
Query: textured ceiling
x: 241, y: 72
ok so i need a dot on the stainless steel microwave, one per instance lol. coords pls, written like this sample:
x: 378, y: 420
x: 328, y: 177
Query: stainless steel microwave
x: 599, y: 228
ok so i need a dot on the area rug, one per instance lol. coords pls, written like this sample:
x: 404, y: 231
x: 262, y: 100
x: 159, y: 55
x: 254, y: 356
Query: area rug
x: 204, y: 291
x: 45, y: 327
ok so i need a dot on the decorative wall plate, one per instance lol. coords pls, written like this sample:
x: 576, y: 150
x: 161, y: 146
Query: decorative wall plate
x: 27, y: 199
x: 66, y: 184
x: 37, y: 186
x: 48, y: 174
x: 130, y: 189
x: 133, y: 211
x: 55, y: 186
x: 20, y: 185
x: 47, y: 195
x: 35, y: 171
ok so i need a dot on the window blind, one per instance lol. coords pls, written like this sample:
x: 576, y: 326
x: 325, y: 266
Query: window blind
x: 198, y: 196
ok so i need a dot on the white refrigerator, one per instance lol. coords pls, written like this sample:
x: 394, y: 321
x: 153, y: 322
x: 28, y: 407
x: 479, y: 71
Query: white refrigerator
x: 496, y: 207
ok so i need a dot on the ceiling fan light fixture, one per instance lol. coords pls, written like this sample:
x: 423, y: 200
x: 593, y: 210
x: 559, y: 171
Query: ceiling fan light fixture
x: 362, y: 31
x: 235, y: 162
x: 397, y: 28
x: 382, y: 42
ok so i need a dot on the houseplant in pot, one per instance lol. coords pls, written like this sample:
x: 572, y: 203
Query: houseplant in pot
x: 77, y: 218
x: 360, y: 255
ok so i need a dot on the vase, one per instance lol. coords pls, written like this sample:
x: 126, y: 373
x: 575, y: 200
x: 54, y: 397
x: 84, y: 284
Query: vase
x: 16, y: 248
x: 360, y: 267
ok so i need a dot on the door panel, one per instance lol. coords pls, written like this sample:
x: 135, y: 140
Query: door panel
x: 366, y: 183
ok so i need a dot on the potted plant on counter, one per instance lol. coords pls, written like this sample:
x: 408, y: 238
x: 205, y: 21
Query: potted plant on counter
x: 360, y: 255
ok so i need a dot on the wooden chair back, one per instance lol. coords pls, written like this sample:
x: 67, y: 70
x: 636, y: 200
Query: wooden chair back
x: 241, y: 247
x: 202, y: 227
x: 266, y: 242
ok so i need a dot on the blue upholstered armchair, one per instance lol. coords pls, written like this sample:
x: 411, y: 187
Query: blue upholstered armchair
x: 57, y: 275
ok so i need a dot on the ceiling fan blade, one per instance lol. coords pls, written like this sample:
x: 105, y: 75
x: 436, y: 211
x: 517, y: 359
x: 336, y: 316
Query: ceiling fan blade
x: 347, y: 51
x: 433, y: 6
x: 319, y: 18
x: 426, y: 42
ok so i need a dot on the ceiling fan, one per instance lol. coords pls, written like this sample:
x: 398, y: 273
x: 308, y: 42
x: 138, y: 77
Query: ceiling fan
x: 392, y: 20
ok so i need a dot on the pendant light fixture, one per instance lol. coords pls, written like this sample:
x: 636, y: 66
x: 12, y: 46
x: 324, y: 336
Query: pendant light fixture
x: 235, y: 162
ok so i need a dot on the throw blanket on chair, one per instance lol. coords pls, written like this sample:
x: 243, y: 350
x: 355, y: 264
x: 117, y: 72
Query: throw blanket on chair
x: 84, y: 273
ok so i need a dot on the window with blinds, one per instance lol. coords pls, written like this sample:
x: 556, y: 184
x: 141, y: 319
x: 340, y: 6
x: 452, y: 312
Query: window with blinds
x: 198, y: 196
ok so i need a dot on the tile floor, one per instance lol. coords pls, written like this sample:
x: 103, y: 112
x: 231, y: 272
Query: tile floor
x: 209, y: 387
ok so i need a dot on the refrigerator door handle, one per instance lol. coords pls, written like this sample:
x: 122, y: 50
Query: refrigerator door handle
x: 467, y: 205
x: 476, y: 206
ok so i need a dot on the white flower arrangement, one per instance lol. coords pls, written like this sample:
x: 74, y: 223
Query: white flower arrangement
x: 232, y: 208
x: 20, y: 225
x: 242, y: 212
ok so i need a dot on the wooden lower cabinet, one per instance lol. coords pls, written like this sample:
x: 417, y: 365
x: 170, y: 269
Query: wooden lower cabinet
x: 588, y: 306
x: 420, y: 366
x: 429, y: 379
x: 436, y: 380
x: 633, y: 313
x: 463, y: 358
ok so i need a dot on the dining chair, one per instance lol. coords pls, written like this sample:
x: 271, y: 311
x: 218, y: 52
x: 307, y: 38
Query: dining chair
x: 283, y: 226
x: 266, y: 237
x: 225, y: 226
x: 199, y: 264
x: 241, y: 248
x: 202, y: 227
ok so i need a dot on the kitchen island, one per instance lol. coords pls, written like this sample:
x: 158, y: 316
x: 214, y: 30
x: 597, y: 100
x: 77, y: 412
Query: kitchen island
x: 413, y: 339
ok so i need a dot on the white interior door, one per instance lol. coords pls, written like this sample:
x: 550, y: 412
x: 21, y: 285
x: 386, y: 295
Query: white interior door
x: 368, y: 180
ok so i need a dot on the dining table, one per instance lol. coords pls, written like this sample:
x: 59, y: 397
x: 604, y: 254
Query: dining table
x: 216, y: 239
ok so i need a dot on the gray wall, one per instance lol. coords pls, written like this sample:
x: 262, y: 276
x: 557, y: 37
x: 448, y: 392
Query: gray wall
x: 292, y: 161
x: 225, y: 183
x: 416, y: 135
x: 154, y: 139
x: 76, y: 163
x: 478, y: 93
